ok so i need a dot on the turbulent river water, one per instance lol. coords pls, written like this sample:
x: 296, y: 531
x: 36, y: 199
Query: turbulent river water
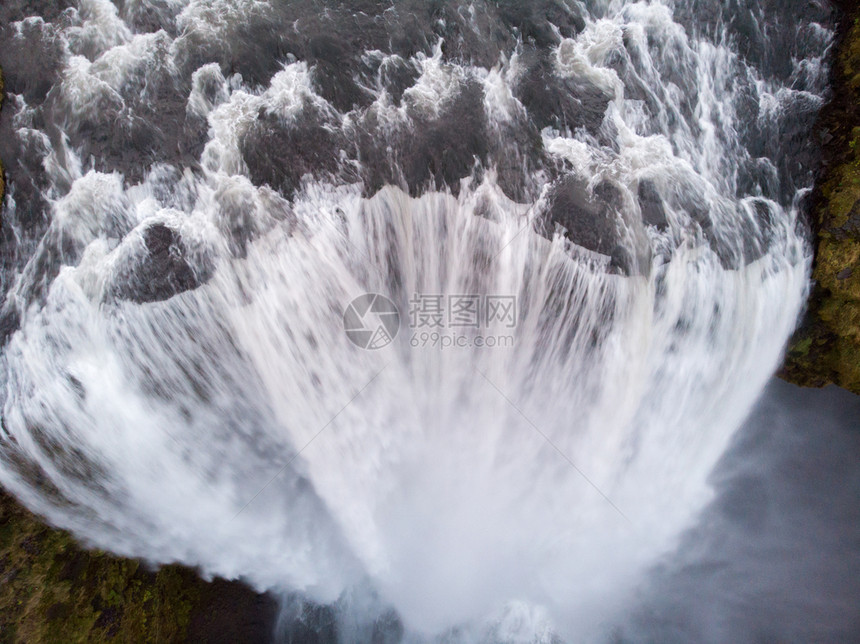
x: 199, y: 189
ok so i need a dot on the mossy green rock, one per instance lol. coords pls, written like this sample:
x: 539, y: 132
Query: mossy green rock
x: 826, y: 348
x: 52, y: 590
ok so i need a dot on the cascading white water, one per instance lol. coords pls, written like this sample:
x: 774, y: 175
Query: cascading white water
x: 506, y: 493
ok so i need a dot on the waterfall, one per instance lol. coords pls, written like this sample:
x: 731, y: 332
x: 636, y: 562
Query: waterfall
x: 447, y: 312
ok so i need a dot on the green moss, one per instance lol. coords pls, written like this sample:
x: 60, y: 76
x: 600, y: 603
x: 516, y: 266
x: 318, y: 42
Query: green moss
x: 802, y: 347
x: 826, y: 348
x: 53, y: 591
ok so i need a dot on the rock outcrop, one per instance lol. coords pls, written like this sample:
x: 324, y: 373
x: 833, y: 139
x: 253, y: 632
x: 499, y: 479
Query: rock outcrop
x: 826, y: 347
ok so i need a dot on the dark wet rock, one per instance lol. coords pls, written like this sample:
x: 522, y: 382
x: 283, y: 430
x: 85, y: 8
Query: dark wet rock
x: 535, y: 20
x: 10, y: 321
x: 163, y: 272
x: 32, y: 58
x: 758, y: 176
x: 756, y: 220
x: 409, y: 27
x: 473, y: 35
x: 749, y: 24
x: 49, y: 10
x: 333, y: 74
x: 746, y: 101
x: 516, y: 152
x: 445, y: 149
x: 787, y: 141
x: 651, y: 205
x: 228, y: 612
x: 149, y: 16
x: 397, y: 75
x: 560, y: 103
x: 583, y: 218
x: 255, y: 47
x: 591, y: 219
x: 698, y: 209
x: 765, y: 219
x: 280, y: 151
x: 155, y: 131
x: 23, y: 158
x: 377, y: 166
x: 435, y: 152
x: 735, y: 243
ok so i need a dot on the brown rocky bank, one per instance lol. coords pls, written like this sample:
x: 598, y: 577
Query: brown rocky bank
x: 826, y: 347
